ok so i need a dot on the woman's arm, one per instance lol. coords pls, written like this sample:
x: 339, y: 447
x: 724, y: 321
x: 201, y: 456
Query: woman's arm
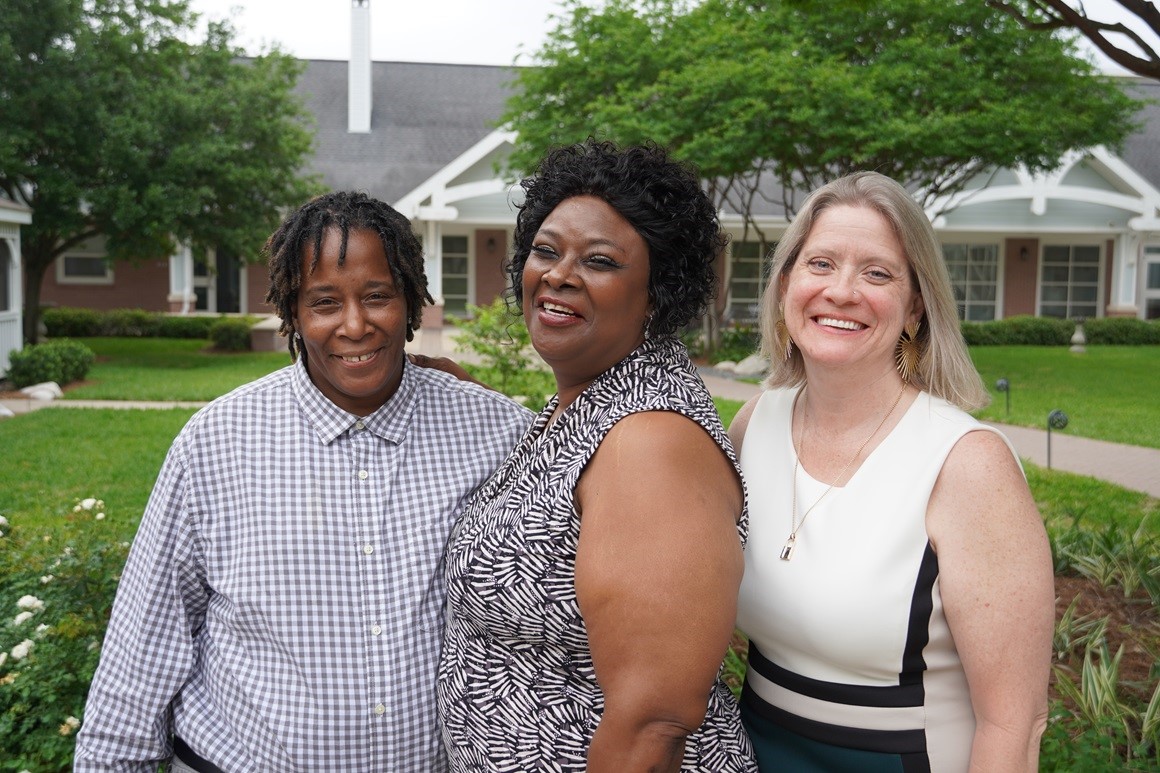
x: 657, y: 572
x: 995, y: 574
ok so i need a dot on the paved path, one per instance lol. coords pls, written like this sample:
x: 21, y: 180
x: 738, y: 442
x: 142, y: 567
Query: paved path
x: 1129, y: 466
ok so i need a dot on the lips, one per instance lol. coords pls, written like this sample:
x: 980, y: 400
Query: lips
x: 553, y: 309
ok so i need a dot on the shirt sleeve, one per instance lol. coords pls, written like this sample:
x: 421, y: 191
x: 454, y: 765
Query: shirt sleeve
x: 148, y: 650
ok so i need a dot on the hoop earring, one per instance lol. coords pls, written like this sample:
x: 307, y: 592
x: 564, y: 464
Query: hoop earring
x: 908, y: 355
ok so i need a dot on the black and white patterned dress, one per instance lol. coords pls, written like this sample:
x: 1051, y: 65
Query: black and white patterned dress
x: 517, y: 689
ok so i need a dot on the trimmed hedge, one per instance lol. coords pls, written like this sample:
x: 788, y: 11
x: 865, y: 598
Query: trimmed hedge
x: 231, y: 335
x: 1050, y: 331
x: 62, y: 361
x: 131, y: 323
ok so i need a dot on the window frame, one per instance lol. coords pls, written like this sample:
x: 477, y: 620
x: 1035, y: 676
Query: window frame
x: 64, y: 278
x: 1041, y: 283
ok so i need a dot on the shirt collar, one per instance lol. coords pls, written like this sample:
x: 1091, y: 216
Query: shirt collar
x: 390, y: 422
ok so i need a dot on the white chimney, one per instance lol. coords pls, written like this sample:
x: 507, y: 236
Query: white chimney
x: 359, y: 69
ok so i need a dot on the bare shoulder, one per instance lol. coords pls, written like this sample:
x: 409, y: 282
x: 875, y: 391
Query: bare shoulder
x: 660, y: 435
x: 741, y: 422
x: 980, y: 488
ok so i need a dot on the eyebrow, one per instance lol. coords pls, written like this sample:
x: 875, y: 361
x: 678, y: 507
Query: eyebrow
x: 373, y: 285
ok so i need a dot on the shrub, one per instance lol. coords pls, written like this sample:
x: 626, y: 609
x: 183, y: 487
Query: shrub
x: 231, y: 334
x: 55, y: 600
x: 1123, y: 331
x: 1019, y: 331
x: 186, y: 326
x: 65, y: 322
x: 737, y: 343
x: 134, y: 323
x: 62, y: 361
x: 499, y: 338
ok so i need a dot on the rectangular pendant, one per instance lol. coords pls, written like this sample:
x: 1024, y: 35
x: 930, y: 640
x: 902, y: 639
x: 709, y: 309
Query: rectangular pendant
x: 787, y: 549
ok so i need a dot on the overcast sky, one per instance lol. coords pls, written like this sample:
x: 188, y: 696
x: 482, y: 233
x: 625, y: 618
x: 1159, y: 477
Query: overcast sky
x: 449, y: 31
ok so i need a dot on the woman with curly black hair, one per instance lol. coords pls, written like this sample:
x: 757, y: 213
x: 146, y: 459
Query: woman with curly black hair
x: 592, y: 582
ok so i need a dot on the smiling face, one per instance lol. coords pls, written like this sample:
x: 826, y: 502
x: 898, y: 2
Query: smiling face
x: 353, y: 322
x: 585, y: 294
x: 849, y: 293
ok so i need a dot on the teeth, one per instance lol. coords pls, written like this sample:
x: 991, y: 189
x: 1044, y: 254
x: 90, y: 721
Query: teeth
x: 845, y: 324
x: 359, y: 358
x: 549, y: 306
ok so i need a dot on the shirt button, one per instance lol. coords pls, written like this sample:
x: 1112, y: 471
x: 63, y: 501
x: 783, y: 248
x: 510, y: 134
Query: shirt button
x: 362, y: 474
x: 380, y: 710
x: 376, y: 629
x: 368, y: 549
x: 359, y: 425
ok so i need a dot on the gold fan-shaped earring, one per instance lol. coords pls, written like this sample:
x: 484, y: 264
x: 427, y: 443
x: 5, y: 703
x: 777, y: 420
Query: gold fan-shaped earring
x: 908, y: 353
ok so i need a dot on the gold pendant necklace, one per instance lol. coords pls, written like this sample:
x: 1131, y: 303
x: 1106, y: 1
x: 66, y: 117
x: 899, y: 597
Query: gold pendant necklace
x: 795, y: 524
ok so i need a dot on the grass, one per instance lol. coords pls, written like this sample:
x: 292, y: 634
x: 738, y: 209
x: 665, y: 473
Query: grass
x: 54, y: 457
x: 1108, y: 392
x: 168, y: 369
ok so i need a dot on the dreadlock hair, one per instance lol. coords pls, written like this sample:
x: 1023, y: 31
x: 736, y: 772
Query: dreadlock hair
x: 343, y: 211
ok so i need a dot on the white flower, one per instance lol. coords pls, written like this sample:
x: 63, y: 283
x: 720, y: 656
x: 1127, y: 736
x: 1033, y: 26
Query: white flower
x: 99, y: 516
x: 69, y: 725
x: 21, y: 618
x: 31, y: 603
x: 46, y: 579
x: 21, y: 650
x: 88, y: 504
x: 40, y: 629
x: 3, y: 658
x: 1, y: 534
x: 3, y: 521
x: 77, y: 509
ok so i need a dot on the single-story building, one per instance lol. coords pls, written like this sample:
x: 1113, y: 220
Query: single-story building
x: 1083, y: 240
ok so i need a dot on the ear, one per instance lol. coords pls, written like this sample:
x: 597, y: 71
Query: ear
x: 917, y: 309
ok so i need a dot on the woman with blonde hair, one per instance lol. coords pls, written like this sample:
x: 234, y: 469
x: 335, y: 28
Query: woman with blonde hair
x: 898, y: 590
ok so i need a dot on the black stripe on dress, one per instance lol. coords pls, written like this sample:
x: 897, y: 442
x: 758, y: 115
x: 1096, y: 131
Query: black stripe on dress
x: 880, y: 696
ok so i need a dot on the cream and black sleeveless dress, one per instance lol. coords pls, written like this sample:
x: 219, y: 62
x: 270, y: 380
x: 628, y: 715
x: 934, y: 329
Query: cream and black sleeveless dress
x: 852, y: 666
x: 517, y: 690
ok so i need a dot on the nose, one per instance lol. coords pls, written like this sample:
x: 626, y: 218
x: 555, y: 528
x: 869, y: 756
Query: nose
x: 354, y: 324
x: 842, y: 288
x: 560, y: 273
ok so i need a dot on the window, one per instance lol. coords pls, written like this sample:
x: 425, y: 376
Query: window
x: 84, y: 270
x: 455, y: 276
x: 974, y: 270
x: 1069, y: 281
x: 1152, y: 282
x: 747, y: 282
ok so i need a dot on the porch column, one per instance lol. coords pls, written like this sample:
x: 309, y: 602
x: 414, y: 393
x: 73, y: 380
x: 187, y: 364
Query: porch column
x: 181, y: 297
x: 1125, y: 262
x: 431, y: 331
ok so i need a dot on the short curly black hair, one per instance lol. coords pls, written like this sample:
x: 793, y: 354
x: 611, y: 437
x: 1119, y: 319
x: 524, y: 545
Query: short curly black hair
x: 659, y: 196
x: 343, y: 211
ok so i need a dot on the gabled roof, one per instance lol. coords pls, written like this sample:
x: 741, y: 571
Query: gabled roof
x: 1142, y: 149
x: 12, y: 212
x: 423, y: 117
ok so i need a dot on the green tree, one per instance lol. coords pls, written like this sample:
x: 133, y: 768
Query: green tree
x: 771, y: 99
x: 1131, y: 50
x: 113, y: 123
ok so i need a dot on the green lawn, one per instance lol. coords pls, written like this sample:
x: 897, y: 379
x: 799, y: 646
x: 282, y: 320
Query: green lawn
x: 168, y: 369
x: 56, y: 456
x: 1108, y: 392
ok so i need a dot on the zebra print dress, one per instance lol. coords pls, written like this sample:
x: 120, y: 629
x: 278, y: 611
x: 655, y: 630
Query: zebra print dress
x: 517, y: 690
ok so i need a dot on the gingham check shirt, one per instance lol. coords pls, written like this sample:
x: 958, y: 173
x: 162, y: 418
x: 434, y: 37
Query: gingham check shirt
x: 281, y: 608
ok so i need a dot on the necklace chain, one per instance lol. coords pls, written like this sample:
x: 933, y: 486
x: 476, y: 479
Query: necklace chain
x: 795, y: 524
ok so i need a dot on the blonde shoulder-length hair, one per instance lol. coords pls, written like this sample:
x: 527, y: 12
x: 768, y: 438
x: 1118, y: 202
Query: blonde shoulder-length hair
x: 945, y: 369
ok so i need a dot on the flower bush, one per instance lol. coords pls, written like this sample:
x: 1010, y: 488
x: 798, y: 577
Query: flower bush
x: 55, y: 598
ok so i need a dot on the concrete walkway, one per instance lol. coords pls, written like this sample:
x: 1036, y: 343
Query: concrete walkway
x: 1129, y: 466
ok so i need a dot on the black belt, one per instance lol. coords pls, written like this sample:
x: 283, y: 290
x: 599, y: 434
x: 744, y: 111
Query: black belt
x: 182, y: 751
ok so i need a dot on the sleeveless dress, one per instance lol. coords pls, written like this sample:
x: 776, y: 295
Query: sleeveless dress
x: 852, y: 666
x: 517, y: 690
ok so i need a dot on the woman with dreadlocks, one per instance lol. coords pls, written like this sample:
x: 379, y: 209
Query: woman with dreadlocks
x: 279, y: 609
